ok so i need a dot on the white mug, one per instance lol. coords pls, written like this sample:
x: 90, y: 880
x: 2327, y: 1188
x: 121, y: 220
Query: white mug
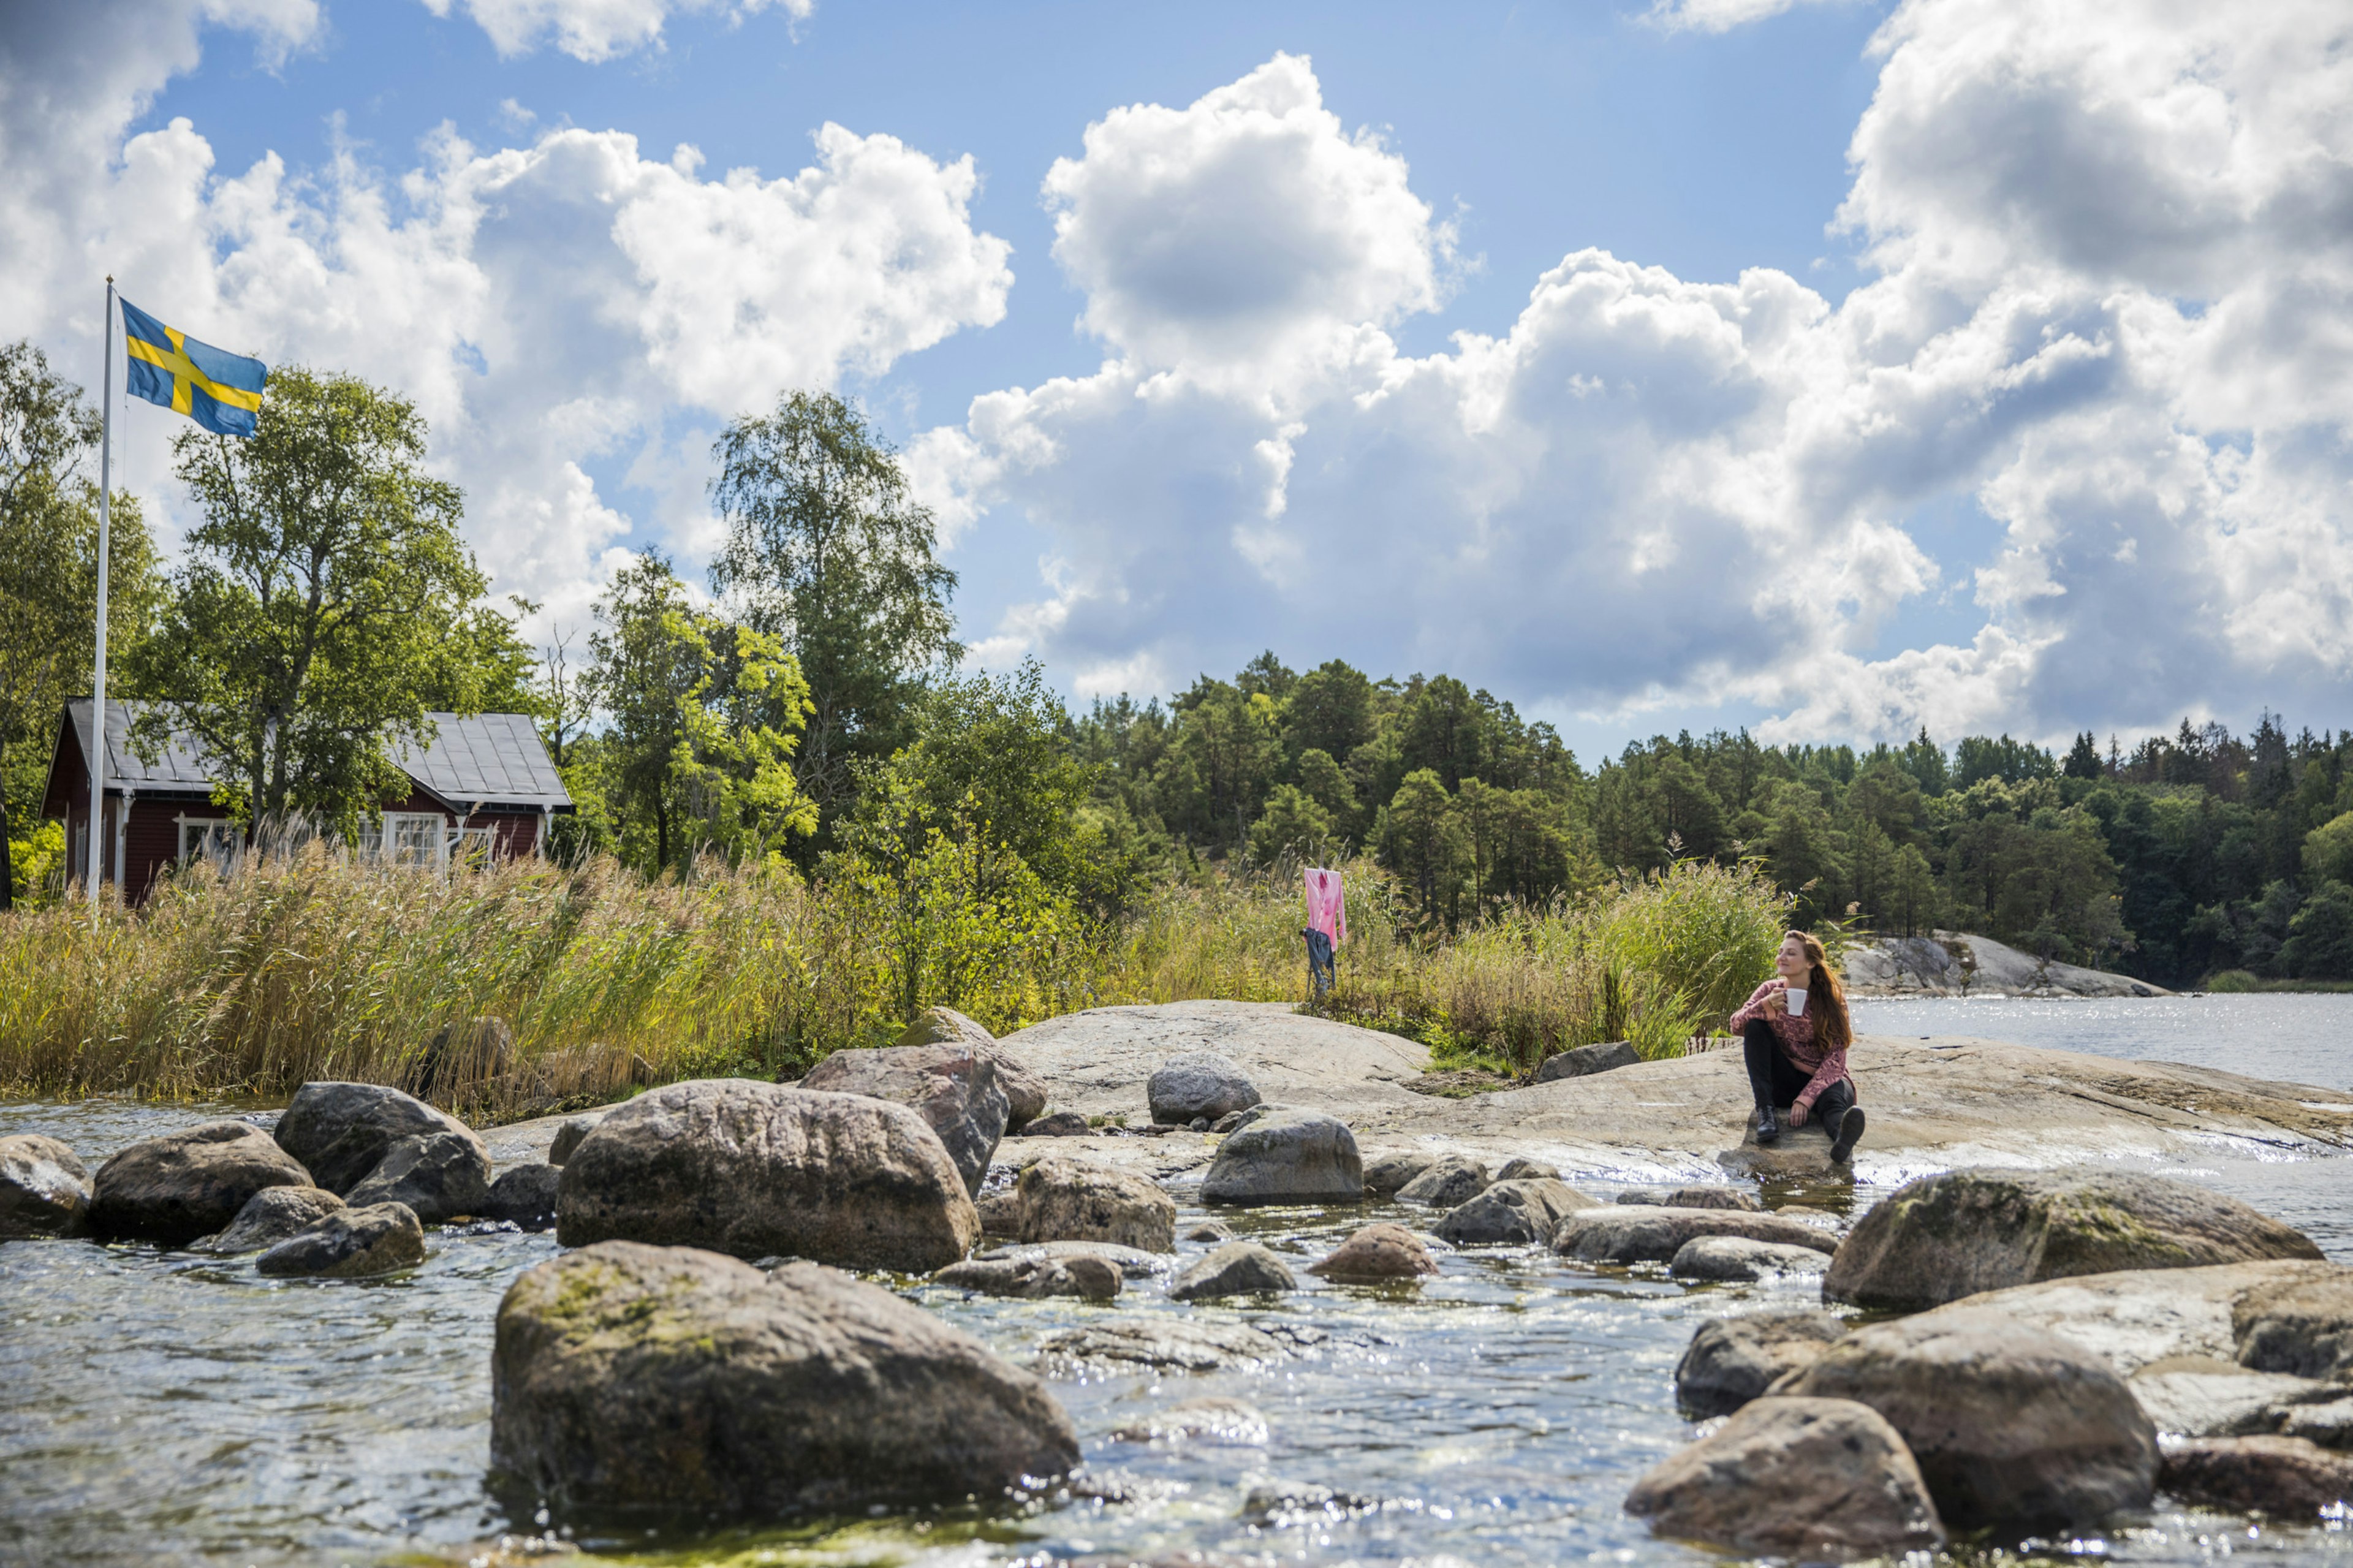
x: 1795, y: 996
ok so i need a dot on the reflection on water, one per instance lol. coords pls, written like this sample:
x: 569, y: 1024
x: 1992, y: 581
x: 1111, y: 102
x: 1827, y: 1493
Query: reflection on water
x: 163, y: 1408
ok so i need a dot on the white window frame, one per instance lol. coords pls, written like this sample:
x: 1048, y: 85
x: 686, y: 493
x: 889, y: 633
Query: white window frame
x: 472, y: 847
x: 213, y: 837
x: 413, y: 838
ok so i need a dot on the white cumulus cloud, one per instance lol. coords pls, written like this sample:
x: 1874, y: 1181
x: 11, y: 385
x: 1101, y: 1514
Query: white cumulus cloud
x: 598, y: 30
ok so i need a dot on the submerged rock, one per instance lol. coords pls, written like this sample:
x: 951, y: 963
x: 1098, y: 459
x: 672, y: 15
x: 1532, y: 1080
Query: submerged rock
x: 1377, y: 1252
x: 1198, y: 1085
x: 763, y: 1169
x: 1813, y: 1480
x: 1701, y: 1197
x: 350, y: 1243
x: 45, y: 1189
x: 1211, y: 1420
x: 1291, y: 1157
x: 1081, y: 1275
x: 2014, y: 1427
x: 1024, y: 1091
x: 1586, y: 1060
x: 182, y: 1185
x: 1132, y: 1262
x: 1389, y: 1175
x: 341, y: 1131
x: 525, y: 1196
x: 1962, y: 1232
x: 1168, y: 1344
x: 1447, y: 1184
x: 1517, y: 1212
x: 953, y: 1087
x: 1732, y: 1360
x: 2287, y: 1477
x: 1060, y: 1198
x: 1236, y: 1268
x: 1736, y: 1258
x: 440, y: 1176
x: 675, y: 1383
x: 268, y: 1218
x: 1634, y: 1232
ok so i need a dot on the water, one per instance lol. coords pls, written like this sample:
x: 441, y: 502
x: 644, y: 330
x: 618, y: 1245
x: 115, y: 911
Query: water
x: 2301, y: 1038
x: 163, y: 1408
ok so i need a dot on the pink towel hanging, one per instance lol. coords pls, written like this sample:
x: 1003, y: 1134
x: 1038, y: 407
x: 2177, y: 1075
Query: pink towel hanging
x: 1325, y: 911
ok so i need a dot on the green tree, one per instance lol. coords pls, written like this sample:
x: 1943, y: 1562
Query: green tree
x: 2328, y: 850
x: 49, y: 582
x: 2320, y: 938
x: 325, y: 605
x: 827, y: 550
x: 1424, y: 840
x: 1293, y: 822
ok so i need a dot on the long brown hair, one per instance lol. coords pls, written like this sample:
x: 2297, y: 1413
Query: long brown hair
x: 1825, y: 997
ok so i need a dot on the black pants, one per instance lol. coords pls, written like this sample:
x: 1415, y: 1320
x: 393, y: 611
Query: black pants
x: 1775, y: 1080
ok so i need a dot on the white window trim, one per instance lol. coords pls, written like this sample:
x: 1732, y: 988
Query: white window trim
x: 230, y: 853
x: 428, y: 839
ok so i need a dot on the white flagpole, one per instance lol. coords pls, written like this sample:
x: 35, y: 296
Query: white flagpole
x: 98, y: 683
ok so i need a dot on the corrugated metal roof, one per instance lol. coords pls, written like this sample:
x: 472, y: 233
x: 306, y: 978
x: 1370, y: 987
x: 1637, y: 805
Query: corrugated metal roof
x: 489, y: 759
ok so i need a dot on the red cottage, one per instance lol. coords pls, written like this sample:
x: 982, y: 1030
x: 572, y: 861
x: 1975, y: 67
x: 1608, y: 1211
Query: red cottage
x: 485, y: 787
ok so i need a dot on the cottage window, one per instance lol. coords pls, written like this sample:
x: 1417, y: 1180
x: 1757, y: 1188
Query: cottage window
x: 217, y: 839
x: 470, y: 847
x: 412, y: 838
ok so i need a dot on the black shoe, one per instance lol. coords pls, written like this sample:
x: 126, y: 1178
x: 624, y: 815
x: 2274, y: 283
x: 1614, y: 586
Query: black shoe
x: 1849, y: 1129
x: 1768, y: 1128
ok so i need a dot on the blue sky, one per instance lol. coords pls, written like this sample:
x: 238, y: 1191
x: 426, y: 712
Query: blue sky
x: 2010, y: 447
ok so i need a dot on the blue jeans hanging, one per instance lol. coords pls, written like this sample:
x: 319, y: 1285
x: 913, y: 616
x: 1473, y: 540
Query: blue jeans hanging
x: 1320, y: 974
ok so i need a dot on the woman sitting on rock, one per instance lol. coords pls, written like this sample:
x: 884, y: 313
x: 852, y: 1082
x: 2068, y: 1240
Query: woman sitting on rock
x: 1795, y: 1032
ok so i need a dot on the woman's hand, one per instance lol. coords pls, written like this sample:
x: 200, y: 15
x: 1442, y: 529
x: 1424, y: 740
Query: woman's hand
x: 1797, y: 1113
x: 1776, y: 1002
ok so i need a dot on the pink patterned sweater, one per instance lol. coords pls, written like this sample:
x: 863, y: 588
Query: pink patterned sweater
x: 1797, y: 1038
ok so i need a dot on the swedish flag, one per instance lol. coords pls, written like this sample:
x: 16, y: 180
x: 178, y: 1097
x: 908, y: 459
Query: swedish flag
x: 221, y: 391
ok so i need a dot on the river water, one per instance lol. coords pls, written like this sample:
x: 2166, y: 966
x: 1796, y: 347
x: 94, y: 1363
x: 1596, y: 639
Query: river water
x: 163, y: 1408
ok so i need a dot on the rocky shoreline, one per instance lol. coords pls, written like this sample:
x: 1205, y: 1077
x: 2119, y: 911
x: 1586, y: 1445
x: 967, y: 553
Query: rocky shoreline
x: 1956, y: 964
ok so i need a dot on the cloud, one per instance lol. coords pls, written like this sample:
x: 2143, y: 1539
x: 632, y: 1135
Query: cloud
x: 2112, y: 302
x: 556, y: 310
x: 599, y: 30
x: 1721, y: 16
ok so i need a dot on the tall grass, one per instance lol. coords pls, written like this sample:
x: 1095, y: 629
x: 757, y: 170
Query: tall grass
x: 300, y: 964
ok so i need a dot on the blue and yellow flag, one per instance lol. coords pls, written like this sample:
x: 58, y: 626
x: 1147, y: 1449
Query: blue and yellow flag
x: 221, y: 391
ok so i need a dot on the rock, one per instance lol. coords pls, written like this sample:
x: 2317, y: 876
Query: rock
x: 525, y: 1196
x: 1236, y: 1268
x: 1063, y: 1199
x: 1520, y: 1213
x: 2013, y: 1427
x: 1061, y: 1124
x: 1169, y: 1344
x: 1198, y: 1084
x: 1735, y: 1259
x: 1693, y: 1199
x: 1279, y: 1503
x: 1448, y: 1184
x: 1633, y: 1233
x: 1812, y: 1480
x: 2191, y: 1396
x: 1377, y: 1252
x: 567, y: 1138
x: 2302, y: 1325
x: 1211, y: 1420
x: 1292, y: 1157
x: 181, y: 1186
x: 374, y: 1239
x: 1586, y: 1060
x: 1390, y: 1173
x: 462, y: 1056
x: 268, y: 1218
x: 342, y: 1131
x: 1961, y: 1232
x: 45, y: 1189
x: 440, y: 1176
x: 1731, y: 1361
x: 1024, y: 1091
x: 1132, y: 1262
x: 1517, y: 1169
x: 764, y: 1169
x: 1000, y: 1214
x: 1087, y: 1278
x: 953, y: 1087
x: 2286, y: 1477
x: 668, y: 1381
x: 1208, y: 1230
x: 2328, y: 1423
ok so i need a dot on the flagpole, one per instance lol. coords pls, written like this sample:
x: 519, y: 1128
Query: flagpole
x: 97, y: 684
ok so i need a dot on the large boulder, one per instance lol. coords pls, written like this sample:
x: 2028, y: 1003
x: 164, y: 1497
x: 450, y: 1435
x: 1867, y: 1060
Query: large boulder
x: 1063, y: 1199
x: 670, y: 1382
x: 953, y: 1087
x: 342, y: 1132
x: 1583, y: 1061
x: 1960, y: 1231
x: 1731, y: 1361
x: 2014, y: 1427
x: 45, y: 1189
x: 1035, y: 1278
x: 1024, y: 1091
x: 268, y: 1218
x: 1290, y: 1157
x: 1513, y: 1213
x: 1196, y: 1085
x: 1376, y: 1253
x: 1447, y: 1184
x: 766, y: 1170
x: 567, y: 1137
x: 1236, y: 1268
x: 2287, y: 1477
x: 1390, y: 1173
x: 350, y: 1243
x: 2299, y: 1325
x: 1816, y: 1480
x: 438, y: 1175
x: 1637, y: 1233
x: 185, y: 1184
x: 525, y: 1196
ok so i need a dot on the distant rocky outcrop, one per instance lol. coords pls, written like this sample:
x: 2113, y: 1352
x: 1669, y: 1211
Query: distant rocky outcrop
x: 1955, y: 963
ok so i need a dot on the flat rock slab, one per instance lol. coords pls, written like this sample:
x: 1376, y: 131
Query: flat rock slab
x: 1132, y: 1262
x: 2287, y: 1477
x: 1635, y: 1233
x: 1156, y: 1344
x: 1738, y: 1259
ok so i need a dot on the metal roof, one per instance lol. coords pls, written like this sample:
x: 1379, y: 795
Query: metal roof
x: 489, y: 759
